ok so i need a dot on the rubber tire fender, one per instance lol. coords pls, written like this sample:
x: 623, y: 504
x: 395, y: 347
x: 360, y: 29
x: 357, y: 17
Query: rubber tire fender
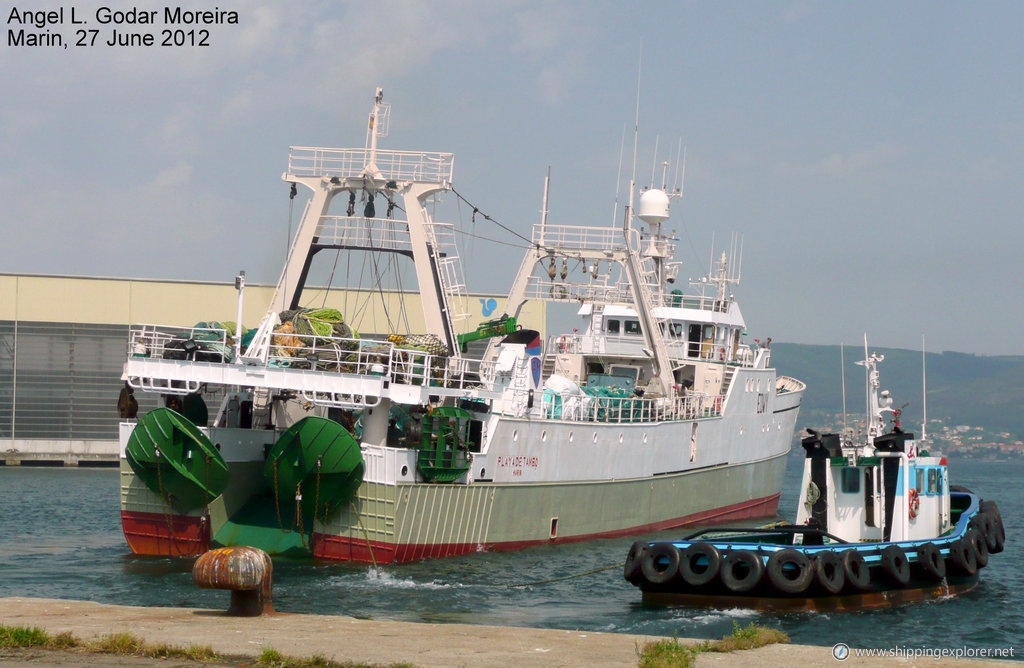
x: 998, y: 536
x: 691, y: 558
x: 752, y: 565
x: 979, y: 545
x: 634, y: 560
x: 983, y: 524
x: 660, y: 563
x: 896, y: 565
x: 856, y: 570
x: 930, y: 562
x: 778, y: 572
x: 829, y: 572
x: 962, y: 557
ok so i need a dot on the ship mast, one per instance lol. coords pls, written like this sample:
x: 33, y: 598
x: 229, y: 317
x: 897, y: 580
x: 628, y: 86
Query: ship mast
x: 327, y: 172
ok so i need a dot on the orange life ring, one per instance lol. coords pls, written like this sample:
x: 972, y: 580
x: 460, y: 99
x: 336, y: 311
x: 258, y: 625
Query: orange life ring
x: 914, y: 501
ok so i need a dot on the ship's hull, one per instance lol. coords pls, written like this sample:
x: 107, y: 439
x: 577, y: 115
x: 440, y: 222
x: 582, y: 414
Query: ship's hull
x: 399, y: 523
x: 540, y: 481
x: 407, y: 522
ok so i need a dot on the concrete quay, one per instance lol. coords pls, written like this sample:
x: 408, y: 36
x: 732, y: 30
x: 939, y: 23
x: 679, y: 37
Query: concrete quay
x: 378, y: 642
x: 64, y: 452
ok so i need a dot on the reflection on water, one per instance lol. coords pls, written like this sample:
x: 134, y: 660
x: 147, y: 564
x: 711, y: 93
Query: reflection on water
x: 60, y: 537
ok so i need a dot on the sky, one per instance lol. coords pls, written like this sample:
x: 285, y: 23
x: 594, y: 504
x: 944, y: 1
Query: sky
x: 869, y: 154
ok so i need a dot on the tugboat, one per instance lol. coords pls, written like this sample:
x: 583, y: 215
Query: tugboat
x: 877, y: 523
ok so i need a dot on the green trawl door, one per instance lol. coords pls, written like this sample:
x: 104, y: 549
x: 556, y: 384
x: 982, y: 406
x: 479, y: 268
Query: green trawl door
x: 176, y: 460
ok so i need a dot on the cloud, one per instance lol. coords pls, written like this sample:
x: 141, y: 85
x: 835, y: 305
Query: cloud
x: 176, y: 175
x: 844, y: 165
x: 986, y: 169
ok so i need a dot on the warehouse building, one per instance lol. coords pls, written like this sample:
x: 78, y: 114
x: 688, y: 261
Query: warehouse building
x: 63, y: 341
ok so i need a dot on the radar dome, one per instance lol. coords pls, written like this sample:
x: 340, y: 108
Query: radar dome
x: 653, y: 207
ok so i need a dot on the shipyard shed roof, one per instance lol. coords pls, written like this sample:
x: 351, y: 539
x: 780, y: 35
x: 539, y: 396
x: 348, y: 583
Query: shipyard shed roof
x: 121, y: 301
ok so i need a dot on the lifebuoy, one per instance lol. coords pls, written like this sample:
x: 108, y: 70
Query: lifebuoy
x: 562, y: 345
x: 789, y: 571
x: 855, y: 569
x: 963, y: 558
x: 980, y: 547
x: 661, y: 563
x: 828, y: 571
x: 699, y: 564
x: 741, y: 571
x: 634, y: 560
x: 930, y: 562
x: 896, y: 565
x: 914, y: 502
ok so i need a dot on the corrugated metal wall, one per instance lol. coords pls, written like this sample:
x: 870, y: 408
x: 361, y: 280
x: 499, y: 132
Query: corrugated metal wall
x: 61, y: 380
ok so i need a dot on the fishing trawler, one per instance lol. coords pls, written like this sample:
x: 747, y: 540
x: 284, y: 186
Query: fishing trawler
x: 392, y: 445
x: 877, y: 523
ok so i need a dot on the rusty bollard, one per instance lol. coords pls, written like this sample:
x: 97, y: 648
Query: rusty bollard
x: 246, y: 571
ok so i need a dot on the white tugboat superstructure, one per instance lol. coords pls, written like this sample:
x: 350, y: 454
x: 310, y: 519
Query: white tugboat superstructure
x: 395, y: 446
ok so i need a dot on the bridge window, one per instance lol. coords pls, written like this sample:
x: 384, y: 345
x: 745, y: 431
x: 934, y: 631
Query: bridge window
x: 850, y: 483
x: 933, y: 481
x: 612, y: 327
x: 633, y: 327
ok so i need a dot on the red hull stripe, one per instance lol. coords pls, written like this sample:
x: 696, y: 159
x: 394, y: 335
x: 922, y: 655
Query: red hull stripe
x: 165, y: 535
x: 341, y: 548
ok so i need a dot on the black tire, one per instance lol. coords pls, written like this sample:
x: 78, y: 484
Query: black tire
x: 660, y: 564
x: 963, y: 558
x: 699, y: 564
x: 789, y: 571
x: 930, y: 562
x: 856, y: 570
x: 998, y: 535
x: 828, y: 572
x: 979, y: 545
x: 634, y: 561
x: 895, y: 565
x: 741, y: 571
x: 982, y: 523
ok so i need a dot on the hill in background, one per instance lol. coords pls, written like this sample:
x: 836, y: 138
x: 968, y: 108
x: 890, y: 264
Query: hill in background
x: 962, y: 389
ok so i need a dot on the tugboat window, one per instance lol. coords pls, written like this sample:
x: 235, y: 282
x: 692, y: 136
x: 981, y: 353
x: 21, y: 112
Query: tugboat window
x: 869, y: 497
x: 850, y: 480
x: 919, y: 479
x: 933, y: 481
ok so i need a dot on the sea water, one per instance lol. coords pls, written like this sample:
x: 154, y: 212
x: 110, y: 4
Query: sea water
x: 60, y: 537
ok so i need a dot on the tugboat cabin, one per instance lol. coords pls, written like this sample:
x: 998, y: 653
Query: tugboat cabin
x: 892, y: 493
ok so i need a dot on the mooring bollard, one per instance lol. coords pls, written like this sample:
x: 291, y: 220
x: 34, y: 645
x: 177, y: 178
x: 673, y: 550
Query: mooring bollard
x: 246, y: 571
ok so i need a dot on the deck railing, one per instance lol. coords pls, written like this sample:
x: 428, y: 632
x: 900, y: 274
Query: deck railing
x: 679, y: 348
x: 612, y: 410
x: 352, y: 162
x: 331, y: 354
